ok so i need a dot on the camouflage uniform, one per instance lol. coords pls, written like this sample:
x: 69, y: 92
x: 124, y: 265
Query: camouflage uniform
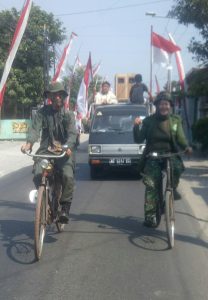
x: 55, y: 126
x: 161, y: 135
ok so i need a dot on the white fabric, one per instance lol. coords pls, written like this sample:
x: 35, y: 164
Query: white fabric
x: 82, y: 100
x: 160, y: 56
x: 109, y: 98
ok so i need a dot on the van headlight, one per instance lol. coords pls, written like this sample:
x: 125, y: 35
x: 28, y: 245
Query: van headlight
x: 95, y: 149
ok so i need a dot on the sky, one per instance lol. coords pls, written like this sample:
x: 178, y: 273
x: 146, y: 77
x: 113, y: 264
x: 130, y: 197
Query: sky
x: 119, y: 35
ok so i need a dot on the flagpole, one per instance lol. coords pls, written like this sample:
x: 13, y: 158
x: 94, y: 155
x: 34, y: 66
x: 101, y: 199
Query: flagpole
x: 151, y: 58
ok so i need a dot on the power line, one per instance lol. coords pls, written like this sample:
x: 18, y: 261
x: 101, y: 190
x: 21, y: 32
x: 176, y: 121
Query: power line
x: 110, y: 8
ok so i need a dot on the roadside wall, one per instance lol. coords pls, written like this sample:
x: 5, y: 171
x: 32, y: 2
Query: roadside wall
x: 14, y: 129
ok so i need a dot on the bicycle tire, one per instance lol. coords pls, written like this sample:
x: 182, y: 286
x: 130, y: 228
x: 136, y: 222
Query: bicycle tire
x: 40, y: 222
x: 170, y: 218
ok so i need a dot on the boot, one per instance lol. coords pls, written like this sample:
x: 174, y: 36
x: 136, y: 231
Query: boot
x: 176, y: 194
x: 150, y: 221
x: 64, y: 215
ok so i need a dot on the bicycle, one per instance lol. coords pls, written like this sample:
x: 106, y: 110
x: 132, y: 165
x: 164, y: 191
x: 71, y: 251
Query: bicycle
x: 166, y: 198
x: 48, y: 199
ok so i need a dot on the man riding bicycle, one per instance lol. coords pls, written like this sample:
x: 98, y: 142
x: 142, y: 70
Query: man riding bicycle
x: 57, y: 127
x: 163, y: 133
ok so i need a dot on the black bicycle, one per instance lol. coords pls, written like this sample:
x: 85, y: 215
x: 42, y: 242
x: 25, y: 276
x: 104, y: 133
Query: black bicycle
x: 166, y: 199
x: 48, y: 199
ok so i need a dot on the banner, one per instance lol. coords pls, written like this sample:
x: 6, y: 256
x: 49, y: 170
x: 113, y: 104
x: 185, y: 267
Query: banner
x: 19, y: 31
x: 162, y: 49
x: 62, y: 62
x: 82, y: 103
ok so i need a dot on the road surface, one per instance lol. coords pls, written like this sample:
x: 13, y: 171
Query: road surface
x: 105, y: 252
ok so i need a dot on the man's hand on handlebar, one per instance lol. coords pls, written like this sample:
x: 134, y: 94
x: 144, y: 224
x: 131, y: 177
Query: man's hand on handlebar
x: 26, y: 147
x: 138, y: 121
x: 68, y: 152
x: 188, y: 151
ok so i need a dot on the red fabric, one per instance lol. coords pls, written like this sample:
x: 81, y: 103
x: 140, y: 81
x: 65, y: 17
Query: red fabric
x: 19, y: 24
x: 16, y: 33
x: 88, y: 74
x: 179, y: 64
x: 180, y: 71
x: 2, y: 95
x: 161, y: 43
x: 63, y: 57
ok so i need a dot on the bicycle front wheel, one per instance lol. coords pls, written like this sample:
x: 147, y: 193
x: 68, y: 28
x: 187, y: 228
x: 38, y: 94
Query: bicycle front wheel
x: 40, y: 221
x: 170, y: 217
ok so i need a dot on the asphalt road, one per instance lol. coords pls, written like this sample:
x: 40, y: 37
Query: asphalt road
x: 105, y: 252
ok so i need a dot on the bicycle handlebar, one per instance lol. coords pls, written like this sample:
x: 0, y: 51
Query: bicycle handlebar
x: 165, y: 155
x: 45, y: 155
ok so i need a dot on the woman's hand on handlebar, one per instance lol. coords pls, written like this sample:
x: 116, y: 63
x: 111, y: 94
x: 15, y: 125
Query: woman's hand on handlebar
x: 26, y: 147
x: 137, y: 121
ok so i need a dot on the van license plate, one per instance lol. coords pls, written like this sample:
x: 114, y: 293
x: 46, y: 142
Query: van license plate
x: 120, y: 161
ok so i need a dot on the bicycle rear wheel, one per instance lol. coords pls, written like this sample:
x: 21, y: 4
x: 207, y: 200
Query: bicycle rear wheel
x: 170, y: 217
x: 40, y: 221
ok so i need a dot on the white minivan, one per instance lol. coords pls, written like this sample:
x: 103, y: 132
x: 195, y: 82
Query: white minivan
x: 111, y: 141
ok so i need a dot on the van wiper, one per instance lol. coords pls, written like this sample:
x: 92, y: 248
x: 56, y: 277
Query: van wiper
x: 114, y: 129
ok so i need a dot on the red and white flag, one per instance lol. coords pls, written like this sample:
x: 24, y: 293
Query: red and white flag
x: 162, y: 49
x: 19, y: 31
x: 82, y: 103
x: 179, y: 64
x: 63, y: 59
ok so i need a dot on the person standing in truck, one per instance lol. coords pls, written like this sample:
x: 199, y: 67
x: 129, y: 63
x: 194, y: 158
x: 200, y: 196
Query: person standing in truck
x: 137, y: 91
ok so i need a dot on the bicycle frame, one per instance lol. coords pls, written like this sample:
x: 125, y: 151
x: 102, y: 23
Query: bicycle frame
x: 166, y: 195
x: 47, y: 200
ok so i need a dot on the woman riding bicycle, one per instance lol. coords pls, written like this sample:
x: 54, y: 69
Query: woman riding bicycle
x: 163, y: 133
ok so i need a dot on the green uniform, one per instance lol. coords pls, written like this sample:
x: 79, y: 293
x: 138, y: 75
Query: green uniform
x: 162, y: 134
x: 55, y: 126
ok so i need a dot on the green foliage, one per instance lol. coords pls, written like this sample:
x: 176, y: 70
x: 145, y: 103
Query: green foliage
x: 199, y: 132
x: 194, y: 12
x: 25, y: 84
x: 198, y: 83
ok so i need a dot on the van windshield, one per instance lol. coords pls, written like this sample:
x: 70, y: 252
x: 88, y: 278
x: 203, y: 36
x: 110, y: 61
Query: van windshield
x: 116, y: 121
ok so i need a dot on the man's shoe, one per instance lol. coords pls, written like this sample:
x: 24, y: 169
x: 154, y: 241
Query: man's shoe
x: 64, y: 215
x: 150, y: 222
x: 176, y: 195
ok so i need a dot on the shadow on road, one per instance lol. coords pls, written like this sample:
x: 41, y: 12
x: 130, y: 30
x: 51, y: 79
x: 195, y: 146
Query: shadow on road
x: 18, y: 239
x: 138, y: 235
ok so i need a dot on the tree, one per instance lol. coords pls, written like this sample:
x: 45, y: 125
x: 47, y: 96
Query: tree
x: 25, y: 84
x: 194, y: 12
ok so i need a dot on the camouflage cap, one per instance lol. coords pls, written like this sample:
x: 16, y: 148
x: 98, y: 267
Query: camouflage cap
x: 163, y: 96
x: 54, y: 88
